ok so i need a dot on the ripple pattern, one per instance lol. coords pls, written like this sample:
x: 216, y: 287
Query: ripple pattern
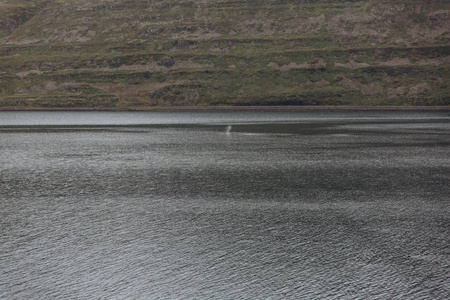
x: 326, y: 210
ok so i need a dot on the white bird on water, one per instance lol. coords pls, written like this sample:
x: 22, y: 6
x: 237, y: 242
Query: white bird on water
x: 228, y: 129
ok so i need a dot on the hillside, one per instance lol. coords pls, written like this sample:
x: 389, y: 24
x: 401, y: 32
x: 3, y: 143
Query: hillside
x: 147, y: 53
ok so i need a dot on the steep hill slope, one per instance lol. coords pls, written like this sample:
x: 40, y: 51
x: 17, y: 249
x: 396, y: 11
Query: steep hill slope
x: 143, y: 53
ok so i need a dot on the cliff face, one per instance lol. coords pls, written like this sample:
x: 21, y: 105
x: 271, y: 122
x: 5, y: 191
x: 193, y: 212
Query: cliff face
x: 141, y: 53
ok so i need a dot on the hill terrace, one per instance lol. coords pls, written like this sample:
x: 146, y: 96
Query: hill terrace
x: 137, y: 54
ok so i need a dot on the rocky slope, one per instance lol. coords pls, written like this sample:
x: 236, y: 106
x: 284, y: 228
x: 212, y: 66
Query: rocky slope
x: 147, y: 53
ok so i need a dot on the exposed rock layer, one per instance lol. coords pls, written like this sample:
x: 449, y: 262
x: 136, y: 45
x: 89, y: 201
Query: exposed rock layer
x: 139, y: 53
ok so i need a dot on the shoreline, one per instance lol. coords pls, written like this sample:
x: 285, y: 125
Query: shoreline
x: 235, y: 108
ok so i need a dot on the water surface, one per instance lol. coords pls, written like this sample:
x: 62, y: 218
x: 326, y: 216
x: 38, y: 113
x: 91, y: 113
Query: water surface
x: 224, y: 205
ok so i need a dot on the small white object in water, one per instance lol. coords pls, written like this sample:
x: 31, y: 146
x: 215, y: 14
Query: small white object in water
x: 228, y: 129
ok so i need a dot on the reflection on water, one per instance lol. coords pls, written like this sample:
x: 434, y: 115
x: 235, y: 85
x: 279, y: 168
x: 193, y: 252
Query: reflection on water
x: 224, y: 205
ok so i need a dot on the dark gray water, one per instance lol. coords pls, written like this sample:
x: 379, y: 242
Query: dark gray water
x: 307, y: 205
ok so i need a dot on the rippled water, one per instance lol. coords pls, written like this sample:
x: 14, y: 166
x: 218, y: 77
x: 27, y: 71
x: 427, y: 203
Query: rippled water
x: 337, y: 205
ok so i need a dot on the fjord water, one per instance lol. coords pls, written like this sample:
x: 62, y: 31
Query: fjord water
x: 225, y: 205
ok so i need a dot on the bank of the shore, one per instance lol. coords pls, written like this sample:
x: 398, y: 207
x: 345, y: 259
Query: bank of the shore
x: 240, y: 108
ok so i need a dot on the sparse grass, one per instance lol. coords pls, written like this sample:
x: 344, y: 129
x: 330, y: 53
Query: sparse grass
x: 233, y: 52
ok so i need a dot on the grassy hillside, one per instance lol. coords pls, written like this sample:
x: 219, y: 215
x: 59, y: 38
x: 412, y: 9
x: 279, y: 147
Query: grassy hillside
x: 146, y: 53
